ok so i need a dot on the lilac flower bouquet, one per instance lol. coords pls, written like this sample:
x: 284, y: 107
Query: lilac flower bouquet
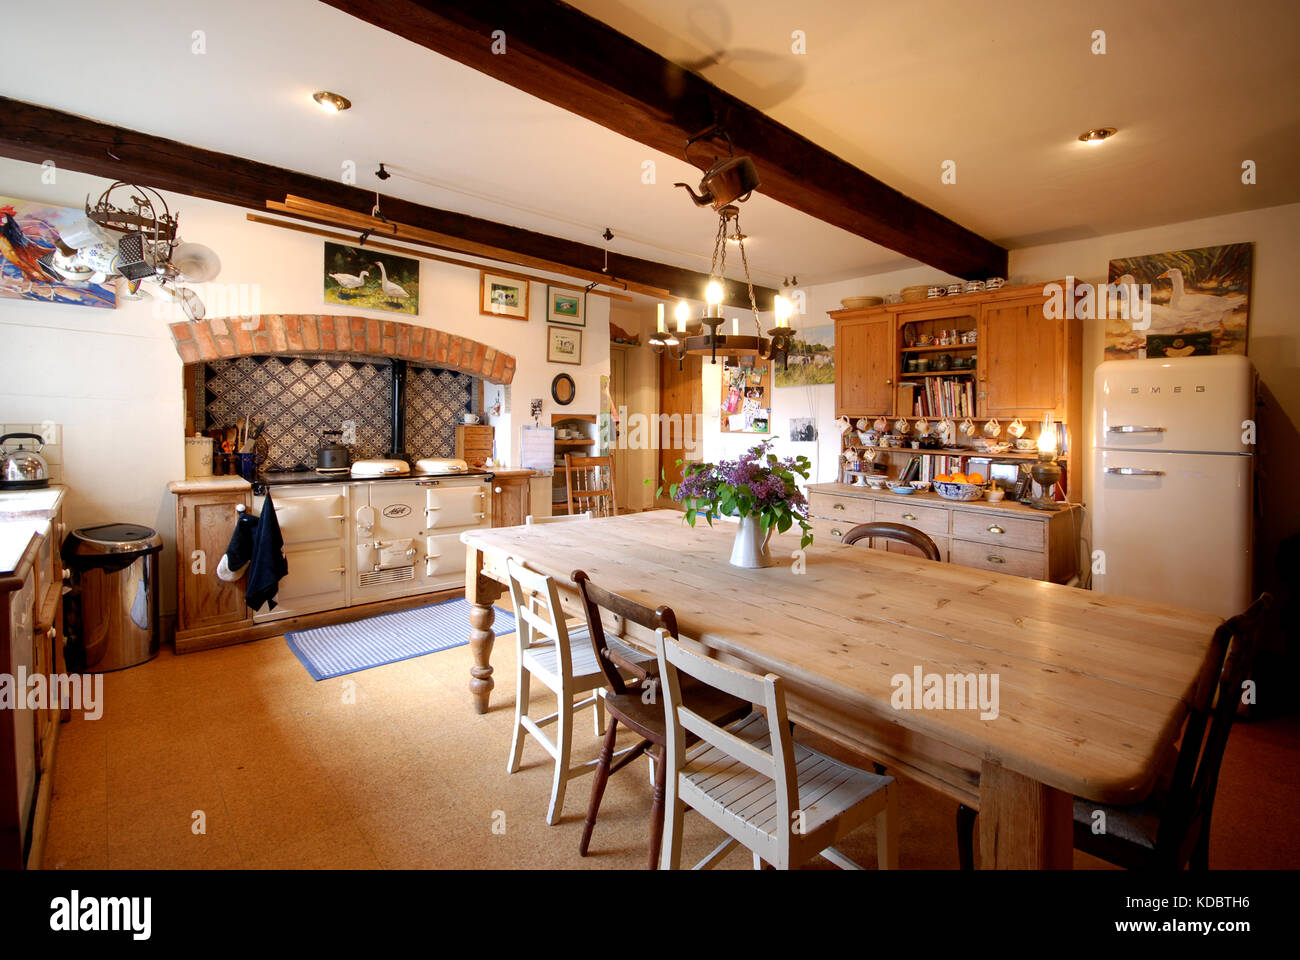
x: 758, y: 484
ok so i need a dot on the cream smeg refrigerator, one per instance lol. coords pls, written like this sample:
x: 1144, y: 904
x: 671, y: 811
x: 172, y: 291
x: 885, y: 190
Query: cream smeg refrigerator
x: 1173, y: 465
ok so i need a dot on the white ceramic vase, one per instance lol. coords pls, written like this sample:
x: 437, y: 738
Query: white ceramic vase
x: 750, y: 547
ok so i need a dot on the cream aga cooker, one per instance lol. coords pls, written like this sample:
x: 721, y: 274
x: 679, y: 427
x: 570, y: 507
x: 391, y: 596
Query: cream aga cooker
x: 356, y: 541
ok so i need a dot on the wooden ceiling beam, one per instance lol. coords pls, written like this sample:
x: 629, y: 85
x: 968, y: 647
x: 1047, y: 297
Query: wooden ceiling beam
x: 36, y: 134
x: 565, y: 57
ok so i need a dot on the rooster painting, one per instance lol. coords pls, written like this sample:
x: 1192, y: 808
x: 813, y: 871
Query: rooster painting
x: 23, y: 251
x: 29, y: 236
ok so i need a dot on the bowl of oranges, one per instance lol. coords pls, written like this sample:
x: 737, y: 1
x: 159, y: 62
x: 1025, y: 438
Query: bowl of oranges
x: 959, y: 486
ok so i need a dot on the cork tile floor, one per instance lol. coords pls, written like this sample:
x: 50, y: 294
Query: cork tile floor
x: 236, y: 758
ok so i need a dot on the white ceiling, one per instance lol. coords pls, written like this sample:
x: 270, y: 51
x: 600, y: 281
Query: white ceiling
x: 1004, y: 88
x: 1001, y: 88
x: 477, y: 145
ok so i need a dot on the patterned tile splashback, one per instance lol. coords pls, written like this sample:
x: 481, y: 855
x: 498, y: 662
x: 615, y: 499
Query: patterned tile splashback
x: 435, y: 399
x: 300, y: 397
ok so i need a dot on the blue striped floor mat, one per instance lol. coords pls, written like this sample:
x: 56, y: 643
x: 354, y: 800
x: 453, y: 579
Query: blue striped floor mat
x: 345, y: 648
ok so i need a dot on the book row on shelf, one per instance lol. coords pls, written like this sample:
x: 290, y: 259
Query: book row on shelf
x: 942, y: 397
x: 927, y: 468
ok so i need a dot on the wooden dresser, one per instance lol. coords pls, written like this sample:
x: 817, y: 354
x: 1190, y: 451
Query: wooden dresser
x: 1003, y: 537
x: 31, y: 638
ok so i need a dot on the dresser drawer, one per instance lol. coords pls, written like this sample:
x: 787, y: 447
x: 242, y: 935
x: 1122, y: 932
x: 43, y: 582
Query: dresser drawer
x: 1003, y: 531
x: 897, y: 546
x: 931, y: 520
x: 1018, y: 563
x: 827, y: 532
x: 853, y: 509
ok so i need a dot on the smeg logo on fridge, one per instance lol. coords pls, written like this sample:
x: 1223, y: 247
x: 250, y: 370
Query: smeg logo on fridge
x: 395, y: 511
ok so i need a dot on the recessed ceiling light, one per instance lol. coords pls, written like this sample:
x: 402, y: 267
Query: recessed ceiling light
x: 331, y: 102
x: 1097, y: 135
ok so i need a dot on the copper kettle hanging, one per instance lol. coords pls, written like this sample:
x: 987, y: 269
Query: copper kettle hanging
x: 729, y: 180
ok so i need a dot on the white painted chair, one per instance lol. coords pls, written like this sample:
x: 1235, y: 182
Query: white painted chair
x: 558, y: 518
x: 563, y: 658
x: 784, y: 801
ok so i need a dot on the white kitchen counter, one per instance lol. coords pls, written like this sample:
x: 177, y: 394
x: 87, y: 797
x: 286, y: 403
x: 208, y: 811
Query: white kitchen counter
x: 15, y: 536
x: 31, y: 504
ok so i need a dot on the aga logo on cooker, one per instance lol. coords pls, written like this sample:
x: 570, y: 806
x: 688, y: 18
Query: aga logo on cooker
x: 396, y: 511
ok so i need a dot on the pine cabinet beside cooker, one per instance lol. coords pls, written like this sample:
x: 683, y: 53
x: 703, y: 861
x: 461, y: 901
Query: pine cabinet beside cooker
x: 206, y: 509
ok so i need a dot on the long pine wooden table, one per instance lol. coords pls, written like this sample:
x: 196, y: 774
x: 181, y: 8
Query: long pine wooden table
x: 1092, y: 689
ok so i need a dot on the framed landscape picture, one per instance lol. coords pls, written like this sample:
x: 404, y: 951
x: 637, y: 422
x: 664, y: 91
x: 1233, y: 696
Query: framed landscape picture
x: 563, y: 345
x: 566, y: 306
x: 1200, y: 303
x: 811, y: 360
x: 503, y: 296
x: 357, y: 277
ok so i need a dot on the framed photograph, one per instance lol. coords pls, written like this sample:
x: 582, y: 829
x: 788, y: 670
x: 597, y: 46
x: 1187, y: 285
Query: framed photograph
x: 566, y: 306
x: 563, y: 345
x: 363, y: 278
x: 503, y: 296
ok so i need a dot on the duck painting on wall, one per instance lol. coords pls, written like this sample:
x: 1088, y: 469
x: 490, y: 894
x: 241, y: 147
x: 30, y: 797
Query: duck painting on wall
x: 357, y: 277
x: 1200, y: 303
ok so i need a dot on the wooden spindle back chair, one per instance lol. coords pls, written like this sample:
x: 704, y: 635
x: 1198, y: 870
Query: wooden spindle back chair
x: 590, y: 484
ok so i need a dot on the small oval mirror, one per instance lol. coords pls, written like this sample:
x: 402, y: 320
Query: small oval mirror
x: 563, y: 389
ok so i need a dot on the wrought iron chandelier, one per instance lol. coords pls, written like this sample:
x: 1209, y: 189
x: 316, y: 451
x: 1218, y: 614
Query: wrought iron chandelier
x: 774, y: 346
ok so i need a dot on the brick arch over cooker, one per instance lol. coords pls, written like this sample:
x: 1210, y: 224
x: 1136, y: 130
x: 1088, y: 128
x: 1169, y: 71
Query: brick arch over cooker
x: 293, y: 333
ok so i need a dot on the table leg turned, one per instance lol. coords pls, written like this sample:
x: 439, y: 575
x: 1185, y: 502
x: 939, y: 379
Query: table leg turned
x: 481, y: 639
x: 1023, y: 824
x: 481, y: 591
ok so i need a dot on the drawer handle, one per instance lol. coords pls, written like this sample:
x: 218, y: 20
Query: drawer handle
x: 1135, y: 472
x: 994, y: 558
x: 837, y: 506
x: 909, y: 516
x: 996, y: 529
x: 338, y: 570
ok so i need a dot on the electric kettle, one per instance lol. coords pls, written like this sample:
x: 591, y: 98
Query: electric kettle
x: 23, y: 469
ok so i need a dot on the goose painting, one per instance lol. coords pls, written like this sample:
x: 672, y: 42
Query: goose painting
x: 349, y: 281
x: 1199, y: 298
x: 360, y: 277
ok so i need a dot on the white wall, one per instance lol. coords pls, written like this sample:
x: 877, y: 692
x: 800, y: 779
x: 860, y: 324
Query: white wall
x: 112, y: 378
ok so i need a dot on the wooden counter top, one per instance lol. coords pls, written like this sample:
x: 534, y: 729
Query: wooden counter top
x: 210, y: 485
x: 1004, y: 508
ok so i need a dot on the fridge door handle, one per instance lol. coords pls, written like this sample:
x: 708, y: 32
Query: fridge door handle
x: 1129, y: 428
x: 1135, y: 472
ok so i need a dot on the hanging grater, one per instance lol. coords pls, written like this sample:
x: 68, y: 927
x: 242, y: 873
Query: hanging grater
x: 130, y: 258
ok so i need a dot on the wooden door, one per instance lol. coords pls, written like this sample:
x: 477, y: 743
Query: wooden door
x: 618, y: 452
x: 1021, y: 361
x: 680, y: 404
x: 205, y: 523
x: 864, y: 365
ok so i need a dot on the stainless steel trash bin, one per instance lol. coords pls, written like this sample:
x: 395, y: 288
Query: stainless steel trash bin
x: 115, y: 572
